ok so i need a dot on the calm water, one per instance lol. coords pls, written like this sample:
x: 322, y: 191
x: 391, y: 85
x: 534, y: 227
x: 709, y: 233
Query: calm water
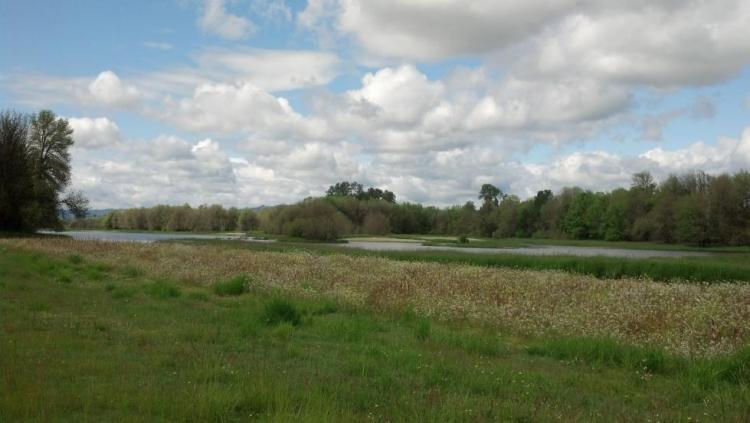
x: 143, y: 236
x: 394, y: 246
x: 538, y: 250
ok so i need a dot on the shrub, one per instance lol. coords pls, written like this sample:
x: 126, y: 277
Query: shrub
x: 238, y: 285
x: 162, y: 290
x: 312, y: 219
x: 280, y: 310
x: 423, y: 329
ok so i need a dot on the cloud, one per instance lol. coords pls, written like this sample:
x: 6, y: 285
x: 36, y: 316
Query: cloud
x: 667, y: 44
x: 148, y: 173
x: 216, y: 20
x: 272, y: 9
x: 157, y: 45
x: 426, y: 30
x: 109, y: 90
x: 273, y: 70
x: 93, y: 133
x: 653, y: 125
x: 663, y: 44
x: 528, y: 103
x: 242, y: 107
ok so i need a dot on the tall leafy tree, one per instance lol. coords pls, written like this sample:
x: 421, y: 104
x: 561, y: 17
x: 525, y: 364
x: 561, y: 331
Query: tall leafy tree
x: 35, y: 168
x: 490, y: 194
x: 15, y: 172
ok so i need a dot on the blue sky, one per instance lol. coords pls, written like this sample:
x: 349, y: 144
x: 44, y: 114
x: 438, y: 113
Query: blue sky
x: 262, y: 102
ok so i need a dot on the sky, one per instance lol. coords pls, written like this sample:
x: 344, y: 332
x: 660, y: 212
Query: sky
x: 249, y: 103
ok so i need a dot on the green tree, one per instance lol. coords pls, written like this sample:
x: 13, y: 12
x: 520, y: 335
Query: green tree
x: 490, y: 194
x: 36, y: 167
x: 15, y: 172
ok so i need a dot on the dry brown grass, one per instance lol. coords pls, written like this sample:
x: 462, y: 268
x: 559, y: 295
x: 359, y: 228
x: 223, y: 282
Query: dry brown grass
x: 684, y: 318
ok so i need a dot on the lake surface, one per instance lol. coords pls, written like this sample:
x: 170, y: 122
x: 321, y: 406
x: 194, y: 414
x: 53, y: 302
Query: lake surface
x: 145, y: 236
x: 537, y: 250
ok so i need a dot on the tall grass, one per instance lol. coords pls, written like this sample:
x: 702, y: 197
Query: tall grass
x: 77, y: 352
x: 684, y: 318
x: 718, y: 268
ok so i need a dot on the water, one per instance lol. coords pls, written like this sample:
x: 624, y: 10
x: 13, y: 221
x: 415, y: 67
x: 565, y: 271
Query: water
x: 538, y: 250
x: 146, y: 236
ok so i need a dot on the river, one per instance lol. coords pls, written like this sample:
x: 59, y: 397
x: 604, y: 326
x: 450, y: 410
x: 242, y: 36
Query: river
x: 536, y: 250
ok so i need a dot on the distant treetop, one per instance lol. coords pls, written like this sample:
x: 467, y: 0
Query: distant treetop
x: 356, y: 190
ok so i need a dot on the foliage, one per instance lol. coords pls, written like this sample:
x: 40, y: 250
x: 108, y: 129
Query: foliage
x: 356, y: 190
x: 280, y: 310
x: 237, y: 285
x: 694, y: 208
x: 34, y: 171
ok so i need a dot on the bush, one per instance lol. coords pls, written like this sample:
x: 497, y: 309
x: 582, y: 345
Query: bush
x: 162, y: 290
x: 280, y: 310
x: 238, y: 285
x: 312, y: 219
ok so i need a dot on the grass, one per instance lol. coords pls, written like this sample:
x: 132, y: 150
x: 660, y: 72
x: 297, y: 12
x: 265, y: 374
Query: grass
x: 280, y: 310
x: 685, y: 318
x: 76, y: 351
x: 717, y: 268
x: 726, y: 264
x: 591, y: 243
x: 237, y: 285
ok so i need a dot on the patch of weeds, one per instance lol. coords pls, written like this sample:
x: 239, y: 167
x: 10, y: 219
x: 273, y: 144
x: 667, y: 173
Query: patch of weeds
x: 110, y: 287
x: 422, y: 329
x: 94, y: 273
x: 161, y: 290
x: 38, y: 305
x: 131, y: 271
x: 249, y: 329
x: 488, y: 345
x: 65, y: 278
x: 100, y: 327
x: 604, y: 351
x: 280, y: 310
x: 283, y: 331
x: 197, y: 296
x: 122, y: 292
x: 75, y: 259
x: 329, y: 307
x: 409, y: 315
x: 736, y: 368
x: 235, y: 286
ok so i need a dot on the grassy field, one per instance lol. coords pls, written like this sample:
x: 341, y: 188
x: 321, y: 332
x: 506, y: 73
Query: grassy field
x: 96, y: 331
x: 725, y: 267
x: 530, y: 242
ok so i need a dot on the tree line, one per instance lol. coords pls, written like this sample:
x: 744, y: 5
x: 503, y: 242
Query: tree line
x: 205, y: 218
x: 692, y: 208
x: 35, y: 172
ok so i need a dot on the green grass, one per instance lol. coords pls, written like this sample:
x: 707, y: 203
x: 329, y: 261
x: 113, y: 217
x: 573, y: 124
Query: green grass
x: 119, y: 347
x: 591, y: 243
x: 473, y: 242
x: 237, y: 285
x: 716, y: 268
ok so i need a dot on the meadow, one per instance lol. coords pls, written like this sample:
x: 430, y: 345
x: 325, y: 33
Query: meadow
x: 120, y: 331
x: 723, y: 266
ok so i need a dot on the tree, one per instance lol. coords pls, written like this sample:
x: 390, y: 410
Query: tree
x: 490, y: 193
x: 77, y: 204
x: 35, y: 165
x: 247, y: 221
x: 15, y: 195
x: 643, y: 181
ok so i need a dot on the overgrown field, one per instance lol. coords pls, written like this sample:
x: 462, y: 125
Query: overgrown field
x: 723, y: 267
x: 178, y: 332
